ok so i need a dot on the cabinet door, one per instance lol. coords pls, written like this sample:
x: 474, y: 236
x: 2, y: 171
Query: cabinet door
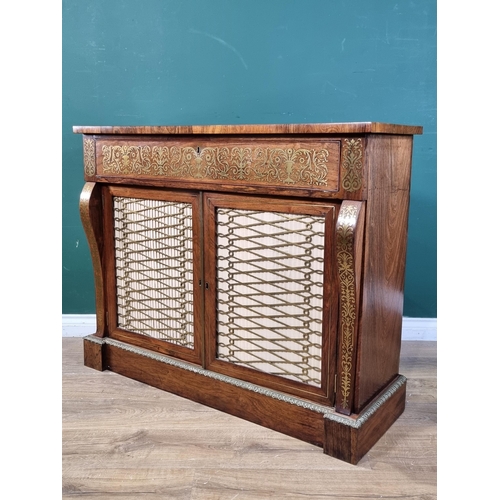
x: 154, y: 269
x: 271, y: 297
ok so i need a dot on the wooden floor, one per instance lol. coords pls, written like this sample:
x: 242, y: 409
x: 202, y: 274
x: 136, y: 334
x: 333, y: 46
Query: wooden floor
x: 125, y: 440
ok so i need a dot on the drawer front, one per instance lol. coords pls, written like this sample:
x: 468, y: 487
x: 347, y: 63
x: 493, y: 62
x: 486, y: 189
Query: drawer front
x: 310, y: 164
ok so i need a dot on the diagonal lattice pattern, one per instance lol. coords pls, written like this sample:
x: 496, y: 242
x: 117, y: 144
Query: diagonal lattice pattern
x: 270, y: 292
x: 154, y: 268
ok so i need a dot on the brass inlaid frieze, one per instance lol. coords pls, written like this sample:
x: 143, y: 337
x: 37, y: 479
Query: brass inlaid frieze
x: 89, y: 156
x: 345, y: 261
x: 352, y: 165
x: 290, y: 166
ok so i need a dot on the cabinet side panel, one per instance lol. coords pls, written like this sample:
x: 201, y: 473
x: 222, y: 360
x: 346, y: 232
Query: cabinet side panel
x: 389, y: 167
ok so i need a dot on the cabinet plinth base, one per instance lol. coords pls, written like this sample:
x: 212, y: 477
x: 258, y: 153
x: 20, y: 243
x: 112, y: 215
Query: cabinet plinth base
x: 93, y: 352
x: 351, y: 442
x: 342, y: 437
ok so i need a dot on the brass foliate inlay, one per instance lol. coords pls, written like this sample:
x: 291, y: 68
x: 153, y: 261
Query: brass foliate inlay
x: 289, y: 166
x: 352, y: 165
x: 345, y: 261
x: 89, y: 156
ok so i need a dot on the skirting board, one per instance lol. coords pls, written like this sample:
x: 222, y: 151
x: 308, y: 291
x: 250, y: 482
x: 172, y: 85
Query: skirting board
x: 81, y: 325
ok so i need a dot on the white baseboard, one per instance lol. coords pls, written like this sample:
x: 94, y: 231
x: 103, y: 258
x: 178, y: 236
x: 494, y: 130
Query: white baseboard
x: 80, y: 325
x: 419, y: 329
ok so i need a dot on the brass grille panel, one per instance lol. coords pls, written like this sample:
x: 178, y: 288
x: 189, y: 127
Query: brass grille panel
x: 154, y: 268
x: 270, y: 292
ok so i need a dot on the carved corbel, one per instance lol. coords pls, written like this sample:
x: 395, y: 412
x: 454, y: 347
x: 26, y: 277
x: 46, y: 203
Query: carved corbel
x: 349, y: 236
x: 91, y: 216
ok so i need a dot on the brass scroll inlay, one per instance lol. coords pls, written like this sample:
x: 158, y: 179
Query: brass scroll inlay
x: 288, y: 165
x: 352, y: 165
x: 89, y: 156
x: 345, y: 260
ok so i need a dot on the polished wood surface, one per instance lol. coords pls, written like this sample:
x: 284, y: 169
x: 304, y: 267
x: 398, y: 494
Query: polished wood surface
x: 295, y: 420
x: 362, y: 439
x: 385, y: 241
x: 123, y: 439
x: 302, y: 128
x: 92, y: 221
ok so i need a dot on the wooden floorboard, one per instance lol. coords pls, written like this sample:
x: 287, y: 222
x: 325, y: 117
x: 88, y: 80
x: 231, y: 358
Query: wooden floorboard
x: 122, y: 439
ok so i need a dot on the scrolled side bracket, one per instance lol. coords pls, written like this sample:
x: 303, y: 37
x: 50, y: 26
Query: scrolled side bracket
x: 91, y: 217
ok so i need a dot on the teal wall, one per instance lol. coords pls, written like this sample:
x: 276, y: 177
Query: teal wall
x: 161, y: 62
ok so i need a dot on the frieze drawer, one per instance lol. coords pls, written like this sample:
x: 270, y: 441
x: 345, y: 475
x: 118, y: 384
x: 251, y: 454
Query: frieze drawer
x: 312, y: 165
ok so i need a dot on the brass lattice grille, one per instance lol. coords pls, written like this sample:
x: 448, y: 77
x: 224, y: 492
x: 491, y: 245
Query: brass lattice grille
x: 154, y: 268
x: 270, y: 292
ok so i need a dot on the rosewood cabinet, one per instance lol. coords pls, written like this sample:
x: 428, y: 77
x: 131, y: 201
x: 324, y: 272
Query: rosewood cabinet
x: 257, y: 269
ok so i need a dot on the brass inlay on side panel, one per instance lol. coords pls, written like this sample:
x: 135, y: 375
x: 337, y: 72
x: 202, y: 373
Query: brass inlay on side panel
x: 352, y: 165
x: 297, y: 165
x: 89, y: 156
x: 345, y: 262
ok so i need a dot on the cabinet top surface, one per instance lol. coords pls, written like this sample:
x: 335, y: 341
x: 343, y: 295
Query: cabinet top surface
x: 303, y: 128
